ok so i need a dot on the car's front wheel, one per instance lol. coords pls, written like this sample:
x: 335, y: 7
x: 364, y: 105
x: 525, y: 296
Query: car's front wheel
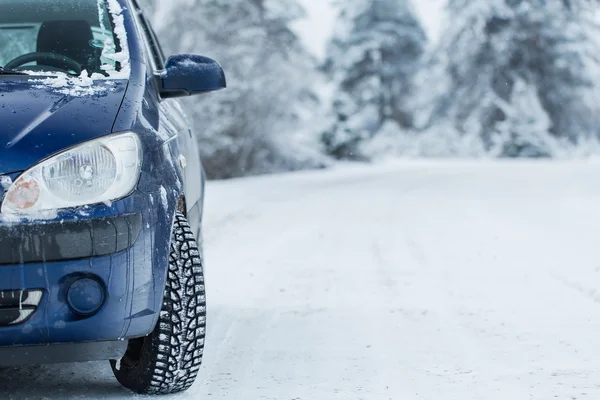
x: 167, y: 361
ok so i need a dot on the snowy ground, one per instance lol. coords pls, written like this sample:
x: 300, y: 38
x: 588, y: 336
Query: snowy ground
x: 419, y: 280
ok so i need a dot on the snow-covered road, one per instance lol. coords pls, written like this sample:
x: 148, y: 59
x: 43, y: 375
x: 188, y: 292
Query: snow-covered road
x: 420, y: 280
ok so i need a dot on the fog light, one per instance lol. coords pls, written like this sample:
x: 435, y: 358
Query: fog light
x: 86, y: 296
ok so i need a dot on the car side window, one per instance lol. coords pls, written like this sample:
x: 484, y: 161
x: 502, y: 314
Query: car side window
x: 157, y: 45
x: 153, y: 45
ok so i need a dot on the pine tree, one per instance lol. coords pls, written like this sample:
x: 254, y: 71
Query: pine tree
x: 372, y: 59
x: 259, y: 123
x: 492, y: 47
x: 525, y: 130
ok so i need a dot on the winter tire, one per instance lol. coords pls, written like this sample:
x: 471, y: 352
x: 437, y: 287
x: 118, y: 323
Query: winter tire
x: 167, y: 361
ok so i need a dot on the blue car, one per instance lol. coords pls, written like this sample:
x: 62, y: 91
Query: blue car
x: 101, y: 193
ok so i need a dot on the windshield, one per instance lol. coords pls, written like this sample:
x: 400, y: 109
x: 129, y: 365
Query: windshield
x: 70, y: 36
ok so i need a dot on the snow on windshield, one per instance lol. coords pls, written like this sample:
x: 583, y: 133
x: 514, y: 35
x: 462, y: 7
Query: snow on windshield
x: 122, y: 57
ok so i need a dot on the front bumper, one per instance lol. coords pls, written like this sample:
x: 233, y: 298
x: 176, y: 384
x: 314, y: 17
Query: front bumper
x: 61, y: 353
x: 124, y: 247
x: 33, y: 242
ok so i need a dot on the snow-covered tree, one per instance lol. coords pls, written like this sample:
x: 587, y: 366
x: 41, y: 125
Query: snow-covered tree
x: 524, y: 132
x: 372, y: 58
x: 261, y: 122
x: 492, y: 48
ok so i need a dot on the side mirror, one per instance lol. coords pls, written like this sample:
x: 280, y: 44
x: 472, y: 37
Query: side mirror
x: 188, y: 74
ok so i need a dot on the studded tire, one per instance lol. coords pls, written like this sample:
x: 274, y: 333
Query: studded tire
x: 167, y: 361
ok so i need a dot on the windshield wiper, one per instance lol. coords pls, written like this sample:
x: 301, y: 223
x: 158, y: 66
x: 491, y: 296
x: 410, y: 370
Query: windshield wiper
x: 8, y: 71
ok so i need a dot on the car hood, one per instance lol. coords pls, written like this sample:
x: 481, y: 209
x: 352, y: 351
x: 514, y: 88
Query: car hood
x: 39, y: 119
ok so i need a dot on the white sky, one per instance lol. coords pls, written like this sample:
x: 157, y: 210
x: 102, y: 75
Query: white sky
x: 317, y: 28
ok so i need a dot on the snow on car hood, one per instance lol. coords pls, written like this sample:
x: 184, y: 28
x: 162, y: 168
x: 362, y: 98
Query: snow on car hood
x: 38, y: 120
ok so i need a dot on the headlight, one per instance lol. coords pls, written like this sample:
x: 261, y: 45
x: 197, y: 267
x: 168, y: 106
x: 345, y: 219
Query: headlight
x: 101, y: 170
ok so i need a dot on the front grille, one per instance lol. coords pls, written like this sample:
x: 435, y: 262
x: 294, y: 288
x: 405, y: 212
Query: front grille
x: 17, y: 306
